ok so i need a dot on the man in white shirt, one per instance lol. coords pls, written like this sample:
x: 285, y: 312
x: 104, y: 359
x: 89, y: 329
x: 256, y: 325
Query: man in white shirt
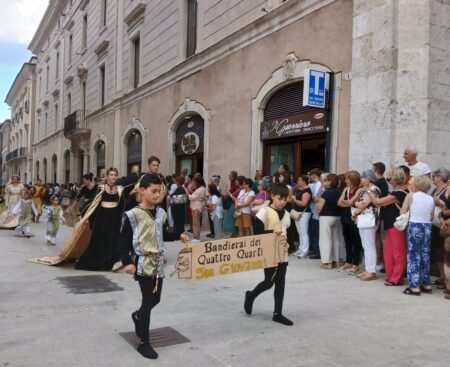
x: 417, y: 168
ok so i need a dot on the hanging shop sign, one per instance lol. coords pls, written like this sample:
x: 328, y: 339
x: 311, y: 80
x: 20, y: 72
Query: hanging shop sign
x: 190, y: 143
x: 231, y: 255
x: 314, y: 88
x: 310, y: 122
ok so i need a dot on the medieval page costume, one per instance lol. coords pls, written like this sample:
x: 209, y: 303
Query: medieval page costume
x: 24, y: 209
x: 54, y: 215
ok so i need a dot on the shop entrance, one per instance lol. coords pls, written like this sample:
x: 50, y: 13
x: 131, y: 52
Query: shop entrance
x: 300, y: 155
x: 189, y: 145
x: 292, y: 133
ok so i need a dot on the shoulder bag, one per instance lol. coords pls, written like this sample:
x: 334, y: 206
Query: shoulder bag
x: 401, y: 222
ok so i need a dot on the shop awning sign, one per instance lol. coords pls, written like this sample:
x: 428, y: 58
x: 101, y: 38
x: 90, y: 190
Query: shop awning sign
x: 314, y: 88
x: 310, y: 122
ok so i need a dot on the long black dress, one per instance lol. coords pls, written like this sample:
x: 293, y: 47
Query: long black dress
x: 101, y: 253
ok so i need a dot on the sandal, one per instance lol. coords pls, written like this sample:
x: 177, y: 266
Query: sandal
x: 438, y: 281
x: 353, y: 270
x: 360, y: 275
x: 426, y: 290
x: 410, y: 292
x: 368, y: 276
x: 447, y: 296
x: 387, y: 283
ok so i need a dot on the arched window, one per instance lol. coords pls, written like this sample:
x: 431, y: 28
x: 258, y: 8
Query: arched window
x: 54, y: 167
x: 36, y: 174
x: 134, y: 152
x: 44, y: 166
x: 100, y: 152
x: 67, y: 165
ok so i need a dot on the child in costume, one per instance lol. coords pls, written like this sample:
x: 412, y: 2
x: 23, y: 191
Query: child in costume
x: 274, y: 219
x: 54, y: 214
x: 25, y: 207
x: 143, y: 234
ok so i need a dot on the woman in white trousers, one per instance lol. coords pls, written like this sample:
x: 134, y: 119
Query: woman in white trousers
x: 301, y: 201
x: 364, y: 205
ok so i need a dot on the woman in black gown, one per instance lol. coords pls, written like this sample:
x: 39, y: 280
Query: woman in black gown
x: 101, y: 254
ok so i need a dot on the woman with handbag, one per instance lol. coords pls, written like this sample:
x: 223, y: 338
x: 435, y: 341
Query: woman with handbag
x: 329, y: 222
x: 437, y: 251
x: 352, y: 239
x: 421, y: 213
x: 395, y: 242
x: 301, y: 202
x: 178, y: 201
x: 366, y: 217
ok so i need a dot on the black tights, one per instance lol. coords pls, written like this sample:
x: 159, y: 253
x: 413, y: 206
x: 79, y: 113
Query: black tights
x: 353, y: 246
x: 149, y: 300
x: 268, y: 282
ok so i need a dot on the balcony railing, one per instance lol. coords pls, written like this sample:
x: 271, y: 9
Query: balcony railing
x: 16, y: 153
x: 75, y: 122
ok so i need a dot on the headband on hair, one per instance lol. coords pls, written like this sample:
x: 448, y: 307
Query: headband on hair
x: 113, y: 169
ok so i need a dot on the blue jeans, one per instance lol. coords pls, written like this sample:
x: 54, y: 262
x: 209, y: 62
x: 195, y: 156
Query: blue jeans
x: 217, y: 227
x: 419, y: 238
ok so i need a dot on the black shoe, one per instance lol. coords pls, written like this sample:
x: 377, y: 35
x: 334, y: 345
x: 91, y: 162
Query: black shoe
x: 210, y: 235
x: 314, y: 257
x: 147, y: 351
x: 281, y: 319
x: 136, y: 323
x: 248, y: 303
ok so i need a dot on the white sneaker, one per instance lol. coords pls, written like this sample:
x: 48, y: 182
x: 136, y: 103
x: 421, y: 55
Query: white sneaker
x: 117, y: 266
x: 301, y: 255
x: 194, y: 241
x: 379, y: 267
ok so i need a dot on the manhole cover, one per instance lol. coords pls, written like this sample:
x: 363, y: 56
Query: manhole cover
x: 162, y: 337
x: 88, y: 284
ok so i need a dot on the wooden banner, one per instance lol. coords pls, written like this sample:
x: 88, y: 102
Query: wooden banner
x: 231, y: 255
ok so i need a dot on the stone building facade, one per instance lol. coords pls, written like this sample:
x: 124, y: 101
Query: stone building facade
x: 21, y: 100
x: 194, y: 82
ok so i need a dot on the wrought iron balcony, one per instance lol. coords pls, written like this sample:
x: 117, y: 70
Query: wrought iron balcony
x: 16, y: 154
x: 76, y: 123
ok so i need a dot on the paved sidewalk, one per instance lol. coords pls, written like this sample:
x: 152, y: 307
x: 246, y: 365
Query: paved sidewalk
x: 339, y: 321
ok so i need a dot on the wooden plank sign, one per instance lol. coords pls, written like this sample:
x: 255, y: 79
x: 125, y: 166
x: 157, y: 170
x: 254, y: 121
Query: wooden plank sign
x: 230, y: 255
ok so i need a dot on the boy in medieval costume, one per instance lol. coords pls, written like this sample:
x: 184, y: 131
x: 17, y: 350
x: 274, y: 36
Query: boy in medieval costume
x: 25, y: 208
x: 54, y: 214
x: 143, y: 234
x: 274, y: 219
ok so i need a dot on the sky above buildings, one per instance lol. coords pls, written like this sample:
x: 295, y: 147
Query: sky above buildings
x: 19, y: 20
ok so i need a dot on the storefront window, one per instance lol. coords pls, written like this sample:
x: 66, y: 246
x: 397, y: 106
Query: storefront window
x: 282, y: 153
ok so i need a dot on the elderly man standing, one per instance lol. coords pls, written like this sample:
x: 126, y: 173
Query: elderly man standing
x: 417, y: 168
